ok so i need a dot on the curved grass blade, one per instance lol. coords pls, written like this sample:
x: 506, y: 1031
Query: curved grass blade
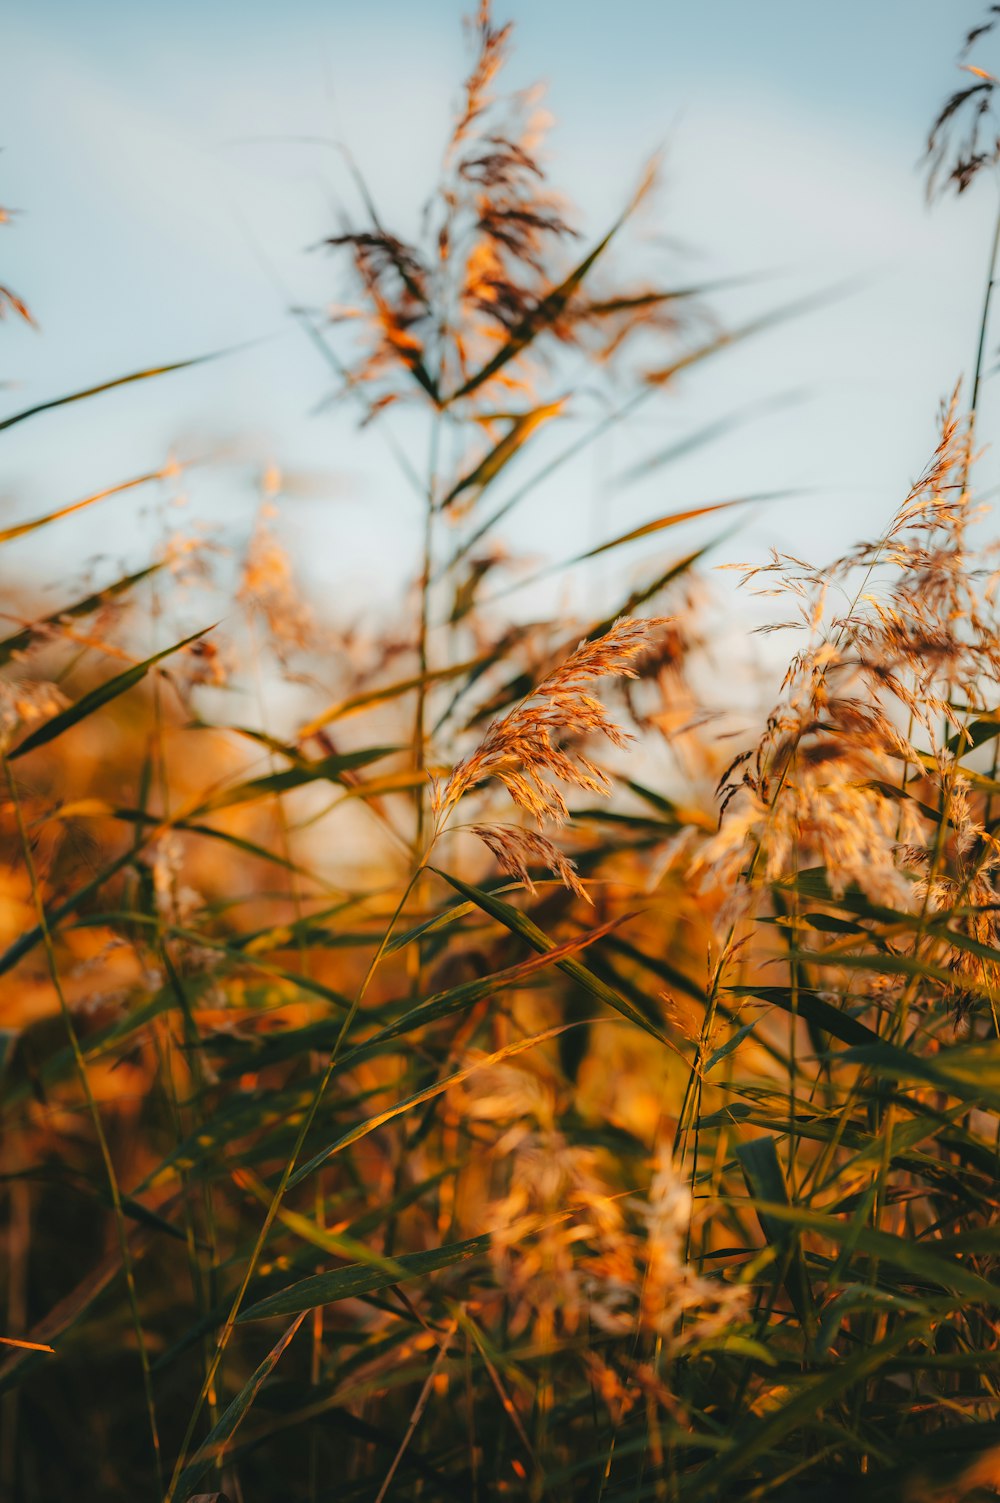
x: 326, y: 769
x: 518, y: 923
x: 523, y: 684
x: 748, y: 1441
x: 655, y: 380
x: 369, y: 697
x: 760, y: 325
x: 21, y: 529
x: 765, y: 1181
x: 362, y: 1278
x: 362, y: 1129
x: 672, y: 520
x: 814, y: 1008
x: 238, y: 842
x: 523, y: 425
x: 468, y: 993
x: 229, y: 1421
x: 659, y: 524
x: 916, y: 1260
x: 608, y: 307
x: 549, y: 308
x: 22, y: 640
x: 98, y: 697
x: 909, y: 965
x: 648, y: 591
x: 971, y: 1073
x: 697, y: 440
x: 93, y: 391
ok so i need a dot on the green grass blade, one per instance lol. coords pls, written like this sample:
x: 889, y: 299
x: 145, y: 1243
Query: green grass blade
x: 546, y: 311
x: 814, y: 1008
x: 21, y: 529
x: 233, y: 1416
x: 93, y: 391
x: 98, y: 697
x: 363, y: 1278
x: 22, y: 640
x: 371, y: 1124
x: 766, y: 1182
x: 518, y: 923
x: 326, y: 769
x: 807, y: 1402
x: 917, y: 1261
x: 522, y: 426
x: 370, y: 697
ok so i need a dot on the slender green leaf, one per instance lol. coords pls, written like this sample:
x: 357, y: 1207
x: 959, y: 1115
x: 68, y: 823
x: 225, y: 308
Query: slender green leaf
x: 760, y: 325
x: 522, y: 426
x: 98, y: 697
x: 369, y: 697
x: 93, y: 391
x: 709, y: 434
x: 22, y: 640
x: 917, y: 1260
x: 673, y: 519
x: 972, y: 1072
x: 730, y: 1046
x: 420, y: 1097
x: 808, y: 1401
x: 21, y: 529
x: 547, y: 311
x: 326, y: 769
x: 518, y: 923
x: 362, y: 1278
x: 766, y: 1182
x: 232, y: 1417
x: 814, y: 1008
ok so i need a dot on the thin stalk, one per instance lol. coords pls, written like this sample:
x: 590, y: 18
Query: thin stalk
x: 423, y: 632
x: 419, y: 1407
x: 286, y: 1174
x: 95, y: 1117
x: 295, y: 895
x: 983, y: 328
x: 206, y: 1296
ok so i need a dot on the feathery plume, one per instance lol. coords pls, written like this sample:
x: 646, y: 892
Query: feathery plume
x: 531, y: 752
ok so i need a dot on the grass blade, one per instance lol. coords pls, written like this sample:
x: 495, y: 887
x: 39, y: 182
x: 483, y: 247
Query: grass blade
x: 362, y: 1278
x: 98, y: 697
x: 93, y: 391
x: 518, y: 923
x: 229, y: 1422
x: 22, y: 640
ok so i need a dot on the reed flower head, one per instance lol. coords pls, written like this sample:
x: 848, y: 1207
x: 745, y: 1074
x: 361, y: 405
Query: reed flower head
x: 955, y: 158
x: 23, y: 702
x: 532, y: 750
x: 479, y: 304
x: 835, y: 780
x: 176, y: 902
x: 566, y: 1248
x: 268, y: 585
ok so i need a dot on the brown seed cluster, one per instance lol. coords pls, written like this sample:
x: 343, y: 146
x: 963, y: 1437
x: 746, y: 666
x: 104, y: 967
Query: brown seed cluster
x: 857, y: 771
x: 533, y: 749
x: 567, y: 1250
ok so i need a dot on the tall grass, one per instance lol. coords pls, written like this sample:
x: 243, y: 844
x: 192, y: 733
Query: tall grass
x: 443, y: 1096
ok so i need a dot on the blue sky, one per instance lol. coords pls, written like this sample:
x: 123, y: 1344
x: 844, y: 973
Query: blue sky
x: 168, y: 211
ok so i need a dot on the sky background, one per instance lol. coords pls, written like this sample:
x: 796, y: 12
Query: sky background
x: 168, y: 209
